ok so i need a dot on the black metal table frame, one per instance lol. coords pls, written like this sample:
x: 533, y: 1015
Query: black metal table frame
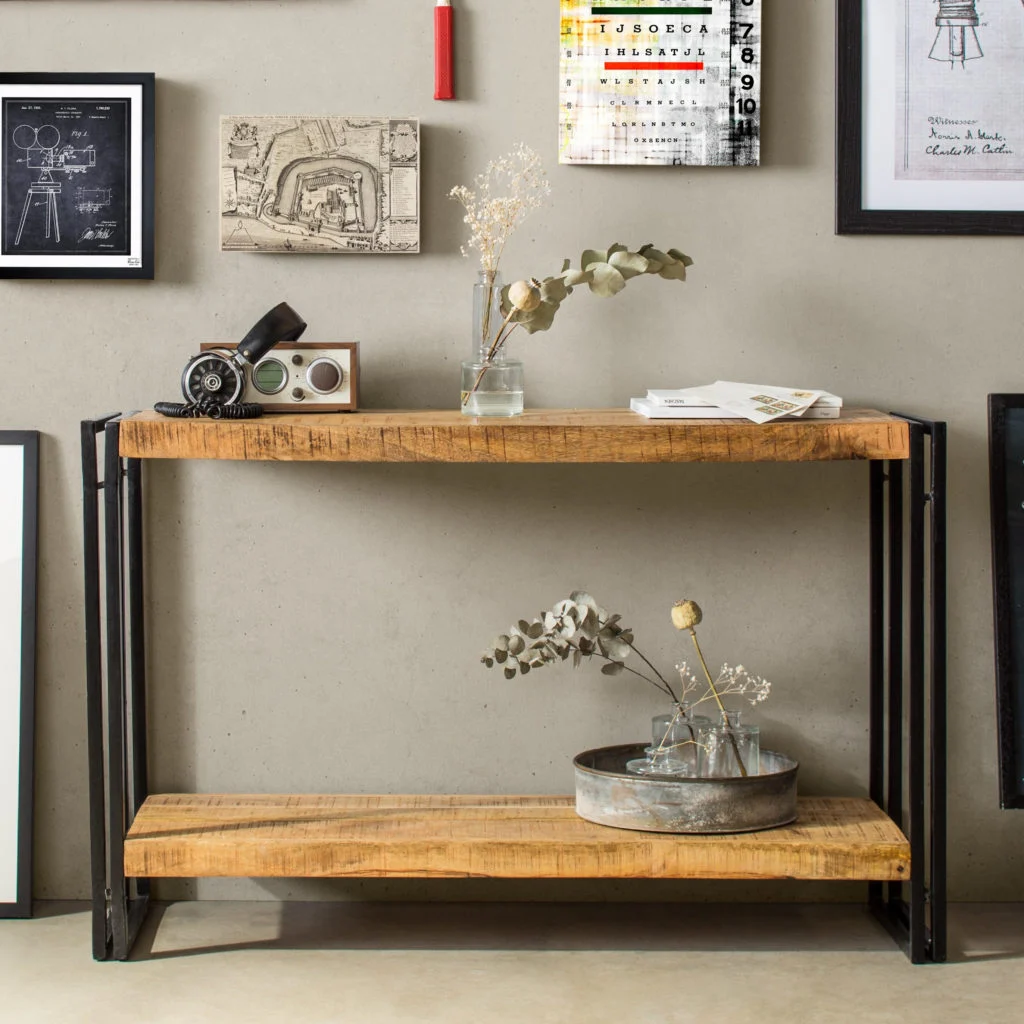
x: 907, y: 682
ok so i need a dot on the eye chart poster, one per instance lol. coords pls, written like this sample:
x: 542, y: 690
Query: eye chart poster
x: 661, y: 82
x: 960, y: 89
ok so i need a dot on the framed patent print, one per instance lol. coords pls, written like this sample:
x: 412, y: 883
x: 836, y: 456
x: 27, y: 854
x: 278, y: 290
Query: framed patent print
x: 19, y: 475
x: 76, y: 175
x: 930, y: 117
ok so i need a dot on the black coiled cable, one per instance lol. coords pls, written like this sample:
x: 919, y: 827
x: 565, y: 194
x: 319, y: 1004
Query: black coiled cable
x: 216, y: 411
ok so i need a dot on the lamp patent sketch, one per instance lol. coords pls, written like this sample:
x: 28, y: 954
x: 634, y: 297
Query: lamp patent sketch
x: 43, y: 155
x: 957, y: 38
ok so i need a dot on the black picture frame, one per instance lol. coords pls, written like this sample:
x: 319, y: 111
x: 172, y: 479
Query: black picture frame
x: 139, y: 262
x: 1006, y: 482
x: 851, y: 216
x: 29, y: 441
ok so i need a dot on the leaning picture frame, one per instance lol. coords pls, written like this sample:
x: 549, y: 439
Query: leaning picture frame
x: 929, y: 103
x: 19, y: 480
x: 77, y: 175
x: 1006, y: 483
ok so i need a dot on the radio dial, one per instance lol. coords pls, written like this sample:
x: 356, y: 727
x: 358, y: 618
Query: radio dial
x: 298, y: 394
x: 296, y: 360
x: 325, y: 376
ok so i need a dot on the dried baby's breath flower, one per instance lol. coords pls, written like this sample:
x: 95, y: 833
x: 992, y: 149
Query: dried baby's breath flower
x: 731, y: 682
x: 492, y: 218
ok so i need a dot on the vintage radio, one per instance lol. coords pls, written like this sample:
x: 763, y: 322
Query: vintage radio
x: 298, y: 376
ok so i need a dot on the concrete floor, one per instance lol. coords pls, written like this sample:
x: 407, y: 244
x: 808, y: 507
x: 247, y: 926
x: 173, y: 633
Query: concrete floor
x: 539, y: 963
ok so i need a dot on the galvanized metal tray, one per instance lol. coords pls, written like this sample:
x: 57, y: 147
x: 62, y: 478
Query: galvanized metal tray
x: 609, y: 795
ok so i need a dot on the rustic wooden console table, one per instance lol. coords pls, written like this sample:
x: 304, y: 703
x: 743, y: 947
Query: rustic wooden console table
x: 896, y: 840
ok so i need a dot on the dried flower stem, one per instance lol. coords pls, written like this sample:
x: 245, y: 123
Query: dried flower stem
x: 718, y: 699
x: 485, y: 325
x: 692, y: 739
x: 499, y: 341
x: 665, y: 689
x: 647, y: 662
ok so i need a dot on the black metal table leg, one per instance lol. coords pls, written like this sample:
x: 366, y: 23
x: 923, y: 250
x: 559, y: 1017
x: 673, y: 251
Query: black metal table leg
x: 916, y: 633
x: 876, y: 713
x: 118, y: 780
x: 91, y: 487
x: 116, y: 701
x: 136, y: 641
x: 894, y: 634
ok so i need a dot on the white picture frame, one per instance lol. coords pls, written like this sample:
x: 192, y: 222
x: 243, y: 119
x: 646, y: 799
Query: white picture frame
x: 19, y: 481
x: 77, y: 159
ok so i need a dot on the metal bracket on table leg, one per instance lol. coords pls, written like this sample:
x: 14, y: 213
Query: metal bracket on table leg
x: 908, y: 683
x: 116, y: 692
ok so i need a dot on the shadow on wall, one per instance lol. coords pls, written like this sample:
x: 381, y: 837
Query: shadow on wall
x: 442, y: 231
x: 180, y: 223
x: 792, y: 61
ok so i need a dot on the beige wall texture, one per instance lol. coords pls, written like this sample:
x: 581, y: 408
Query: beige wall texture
x: 318, y: 628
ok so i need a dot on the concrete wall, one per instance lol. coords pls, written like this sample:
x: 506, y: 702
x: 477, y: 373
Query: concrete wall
x: 317, y: 628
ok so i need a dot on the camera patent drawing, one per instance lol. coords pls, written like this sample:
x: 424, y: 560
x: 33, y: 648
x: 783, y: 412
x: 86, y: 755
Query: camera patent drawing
x: 298, y: 376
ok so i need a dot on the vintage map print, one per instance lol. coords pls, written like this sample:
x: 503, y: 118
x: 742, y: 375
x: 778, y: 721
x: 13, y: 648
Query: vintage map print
x: 661, y: 82
x: 325, y: 184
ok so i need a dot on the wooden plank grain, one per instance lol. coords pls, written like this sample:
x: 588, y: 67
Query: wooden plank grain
x: 538, y: 436
x: 490, y: 836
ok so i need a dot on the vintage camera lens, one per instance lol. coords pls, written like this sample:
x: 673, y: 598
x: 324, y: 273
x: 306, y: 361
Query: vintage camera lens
x: 324, y: 376
x: 48, y: 137
x: 270, y: 377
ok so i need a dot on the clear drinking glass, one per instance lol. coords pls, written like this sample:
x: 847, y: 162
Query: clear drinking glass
x: 674, y: 746
x: 492, y: 384
x: 726, y: 745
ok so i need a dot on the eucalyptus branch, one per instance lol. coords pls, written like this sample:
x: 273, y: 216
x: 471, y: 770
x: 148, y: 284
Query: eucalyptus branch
x: 577, y: 627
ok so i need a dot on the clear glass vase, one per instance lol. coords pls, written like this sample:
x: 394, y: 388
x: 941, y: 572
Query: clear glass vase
x: 726, y: 745
x: 492, y: 384
x: 674, y: 748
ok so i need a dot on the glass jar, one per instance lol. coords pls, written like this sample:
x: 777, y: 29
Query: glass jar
x: 674, y: 746
x: 728, y: 748
x: 492, y: 384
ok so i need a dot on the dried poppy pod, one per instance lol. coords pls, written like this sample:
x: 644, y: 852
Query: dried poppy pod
x: 686, y: 614
x: 524, y: 295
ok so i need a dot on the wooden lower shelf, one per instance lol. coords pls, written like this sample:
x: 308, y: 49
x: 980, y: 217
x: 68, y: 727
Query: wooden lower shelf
x: 186, y: 836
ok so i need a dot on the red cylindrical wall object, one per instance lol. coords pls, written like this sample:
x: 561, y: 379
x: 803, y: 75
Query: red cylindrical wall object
x: 444, y: 74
